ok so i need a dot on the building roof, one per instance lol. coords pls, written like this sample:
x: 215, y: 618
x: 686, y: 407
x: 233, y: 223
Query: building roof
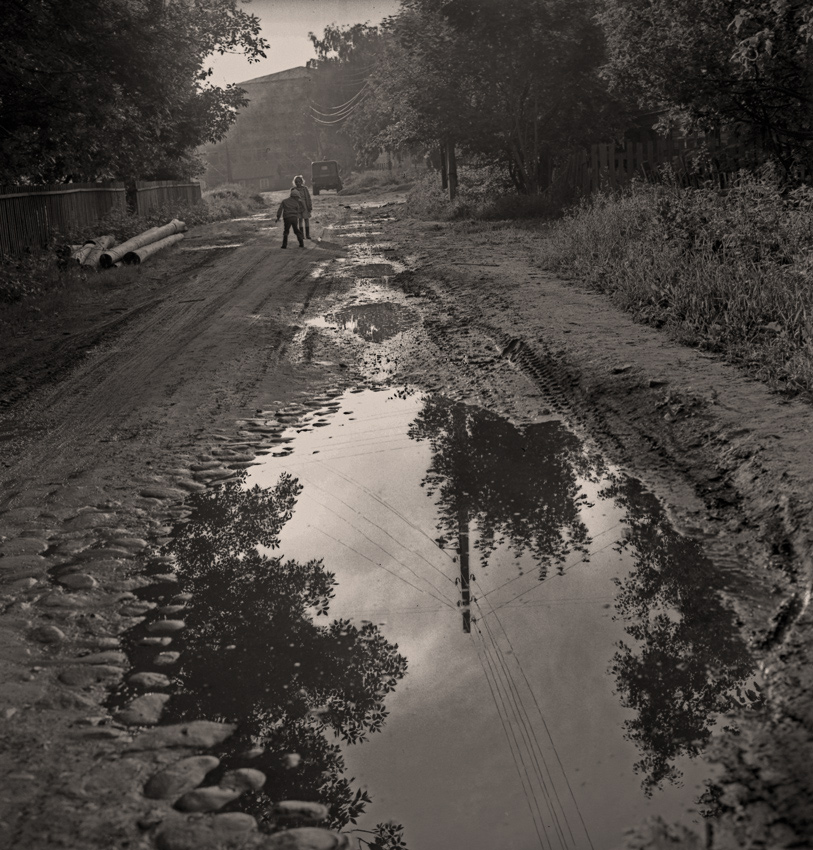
x: 297, y: 73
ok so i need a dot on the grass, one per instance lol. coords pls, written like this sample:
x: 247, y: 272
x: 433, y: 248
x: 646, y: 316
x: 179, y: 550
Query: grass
x: 729, y: 272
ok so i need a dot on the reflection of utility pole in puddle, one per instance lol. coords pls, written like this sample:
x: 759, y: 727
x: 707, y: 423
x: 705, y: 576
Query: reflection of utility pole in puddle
x: 463, y: 553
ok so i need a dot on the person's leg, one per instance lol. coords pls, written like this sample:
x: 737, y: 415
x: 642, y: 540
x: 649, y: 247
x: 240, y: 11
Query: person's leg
x: 287, y: 226
x: 298, y: 233
x: 307, y: 228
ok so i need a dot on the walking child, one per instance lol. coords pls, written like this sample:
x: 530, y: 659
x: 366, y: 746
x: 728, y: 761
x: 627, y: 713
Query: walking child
x: 291, y: 210
x: 305, y: 195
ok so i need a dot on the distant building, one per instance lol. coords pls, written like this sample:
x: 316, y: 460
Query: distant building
x: 272, y: 139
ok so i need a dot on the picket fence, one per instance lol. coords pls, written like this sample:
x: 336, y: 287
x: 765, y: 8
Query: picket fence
x: 30, y: 215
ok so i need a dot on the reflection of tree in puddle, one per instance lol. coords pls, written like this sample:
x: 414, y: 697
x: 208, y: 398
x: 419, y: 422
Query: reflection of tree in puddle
x: 688, y: 663
x: 254, y: 654
x: 518, y: 485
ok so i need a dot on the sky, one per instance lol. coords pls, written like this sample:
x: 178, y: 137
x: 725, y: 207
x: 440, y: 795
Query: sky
x: 286, y: 24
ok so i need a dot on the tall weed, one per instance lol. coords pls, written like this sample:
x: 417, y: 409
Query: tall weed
x: 731, y: 272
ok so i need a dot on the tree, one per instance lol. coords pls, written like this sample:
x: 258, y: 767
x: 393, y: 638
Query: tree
x: 514, y: 485
x: 119, y: 89
x: 686, y: 663
x: 255, y: 653
x: 345, y: 57
x: 719, y: 63
x: 513, y: 83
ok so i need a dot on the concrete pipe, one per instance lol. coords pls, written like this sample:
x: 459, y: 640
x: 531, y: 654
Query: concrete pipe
x: 154, y: 234
x: 132, y: 258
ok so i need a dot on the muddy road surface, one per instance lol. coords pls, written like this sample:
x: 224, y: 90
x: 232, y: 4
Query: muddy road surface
x: 394, y: 541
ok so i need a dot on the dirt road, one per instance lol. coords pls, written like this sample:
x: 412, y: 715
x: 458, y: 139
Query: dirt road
x: 212, y: 359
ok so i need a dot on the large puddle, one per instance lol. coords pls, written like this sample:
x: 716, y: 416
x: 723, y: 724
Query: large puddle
x: 423, y: 614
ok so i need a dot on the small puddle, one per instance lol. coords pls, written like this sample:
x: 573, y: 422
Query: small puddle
x: 373, y: 322
x: 420, y: 612
x: 211, y: 247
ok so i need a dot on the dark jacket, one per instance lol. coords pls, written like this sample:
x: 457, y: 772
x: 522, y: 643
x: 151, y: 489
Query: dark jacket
x: 291, y: 208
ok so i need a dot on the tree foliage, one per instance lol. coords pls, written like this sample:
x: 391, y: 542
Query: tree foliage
x: 115, y: 88
x: 256, y: 653
x: 686, y: 662
x: 513, y: 83
x: 719, y: 62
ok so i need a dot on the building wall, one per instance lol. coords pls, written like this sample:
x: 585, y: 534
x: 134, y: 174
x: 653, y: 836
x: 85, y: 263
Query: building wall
x: 272, y: 139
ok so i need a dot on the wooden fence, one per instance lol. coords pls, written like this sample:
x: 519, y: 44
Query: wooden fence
x: 146, y: 195
x: 30, y: 215
x: 692, y: 159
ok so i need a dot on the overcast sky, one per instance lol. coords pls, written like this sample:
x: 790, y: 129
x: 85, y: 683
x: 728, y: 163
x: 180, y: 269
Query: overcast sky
x: 286, y: 24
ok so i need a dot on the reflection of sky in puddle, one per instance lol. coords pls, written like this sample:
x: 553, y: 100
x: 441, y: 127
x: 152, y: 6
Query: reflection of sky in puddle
x: 466, y: 757
x: 373, y: 322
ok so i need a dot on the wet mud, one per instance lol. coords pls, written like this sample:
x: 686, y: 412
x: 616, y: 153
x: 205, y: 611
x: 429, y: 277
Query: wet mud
x: 395, y: 570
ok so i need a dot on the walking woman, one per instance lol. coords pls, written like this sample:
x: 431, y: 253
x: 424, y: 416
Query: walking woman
x: 305, y: 195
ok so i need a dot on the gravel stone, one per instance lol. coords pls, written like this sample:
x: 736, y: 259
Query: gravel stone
x: 79, y: 581
x: 175, y: 780
x: 155, y: 641
x: 24, y: 562
x: 199, y: 733
x: 305, y: 838
x: 108, y: 656
x: 84, y: 677
x: 243, y: 779
x: 23, y: 546
x: 210, y: 799
x: 300, y: 810
x: 89, y: 519
x: 165, y: 659
x: 145, y: 710
x: 47, y: 634
x: 233, y: 823
x: 149, y: 680
x: 165, y: 627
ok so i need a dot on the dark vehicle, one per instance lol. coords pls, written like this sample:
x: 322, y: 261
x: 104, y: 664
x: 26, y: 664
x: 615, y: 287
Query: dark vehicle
x: 325, y: 175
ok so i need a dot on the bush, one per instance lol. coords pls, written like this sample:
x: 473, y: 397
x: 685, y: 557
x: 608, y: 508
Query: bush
x: 365, y: 181
x: 483, y: 193
x: 730, y: 271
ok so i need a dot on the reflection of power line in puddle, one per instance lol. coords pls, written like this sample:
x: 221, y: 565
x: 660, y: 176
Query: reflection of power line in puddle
x: 380, y: 528
x: 394, y: 510
x: 514, y: 710
x: 437, y: 594
x: 584, y: 559
x: 378, y: 564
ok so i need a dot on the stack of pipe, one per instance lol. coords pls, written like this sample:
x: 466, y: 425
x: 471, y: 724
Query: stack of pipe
x: 144, y: 245
x: 89, y: 253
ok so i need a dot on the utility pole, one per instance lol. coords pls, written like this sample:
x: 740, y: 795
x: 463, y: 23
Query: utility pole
x: 463, y: 552
x: 452, y: 159
x: 444, y: 168
x: 228, y: 163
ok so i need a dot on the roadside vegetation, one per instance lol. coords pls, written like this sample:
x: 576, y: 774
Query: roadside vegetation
x: 371, y: 180
x: 729, y: 272
x: 33, y: 275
